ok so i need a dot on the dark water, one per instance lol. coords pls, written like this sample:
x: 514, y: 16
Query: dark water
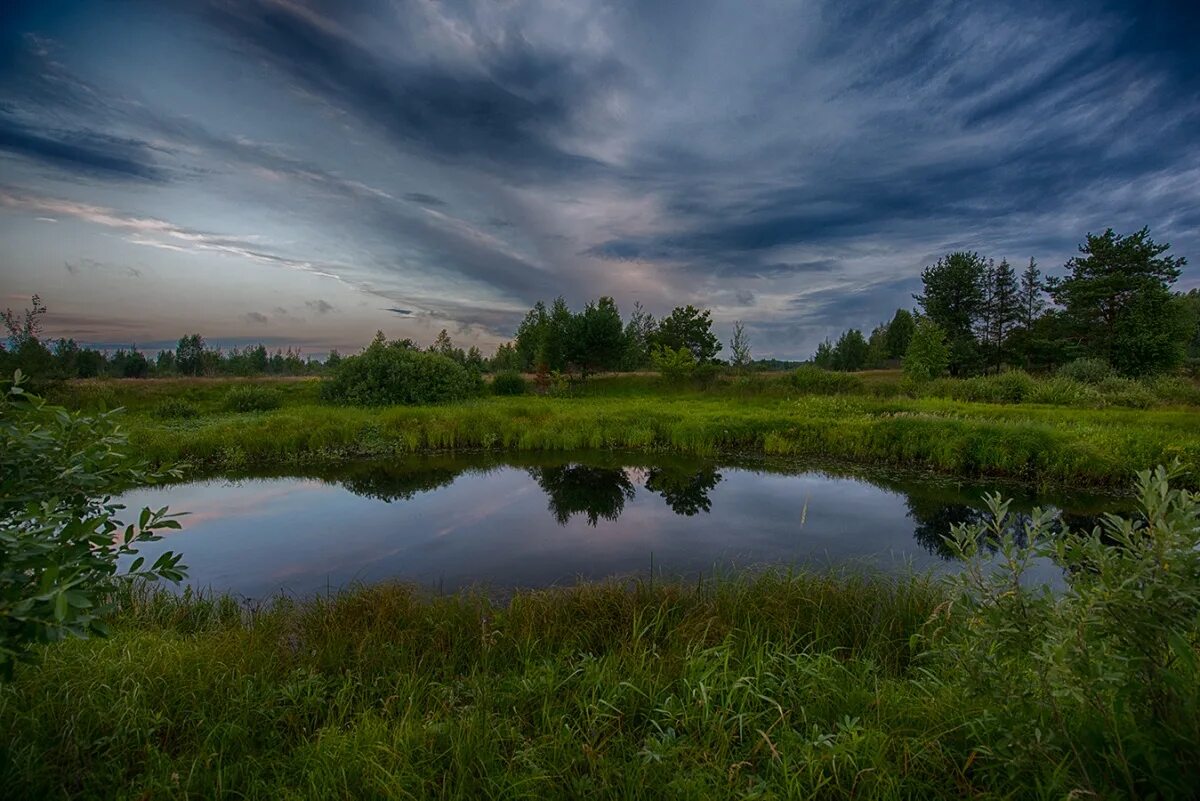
x: 454, y: 521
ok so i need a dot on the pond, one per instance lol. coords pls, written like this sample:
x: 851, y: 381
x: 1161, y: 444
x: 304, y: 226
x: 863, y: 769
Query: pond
x: 451, y: 521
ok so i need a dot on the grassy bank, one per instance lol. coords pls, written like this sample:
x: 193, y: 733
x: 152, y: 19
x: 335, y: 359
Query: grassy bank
x: 785, y: 686
x: 1047, y: 444
x: 780, y: 686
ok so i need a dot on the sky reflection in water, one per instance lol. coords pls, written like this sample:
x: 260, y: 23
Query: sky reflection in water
x: 454, y: 521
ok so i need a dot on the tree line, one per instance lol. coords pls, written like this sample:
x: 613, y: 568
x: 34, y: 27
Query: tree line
x: 1114, y: 303
x: 974, y: 315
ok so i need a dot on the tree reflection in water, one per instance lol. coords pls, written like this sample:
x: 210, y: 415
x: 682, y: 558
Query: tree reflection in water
x: 597, y: 492
x: 685, y: 491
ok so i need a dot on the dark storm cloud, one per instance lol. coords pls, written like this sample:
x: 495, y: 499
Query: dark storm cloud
x: 793, y: 166
x: 319, y: 306
x: 504, y: 114
x: 85, y: 152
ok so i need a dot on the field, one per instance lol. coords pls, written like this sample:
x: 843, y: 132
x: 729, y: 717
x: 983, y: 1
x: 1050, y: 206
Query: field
x: 868, y: 421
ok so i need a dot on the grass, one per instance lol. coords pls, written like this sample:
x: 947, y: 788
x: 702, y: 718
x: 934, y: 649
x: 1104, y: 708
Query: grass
x: 784, y: 685
x: 1039, y: 443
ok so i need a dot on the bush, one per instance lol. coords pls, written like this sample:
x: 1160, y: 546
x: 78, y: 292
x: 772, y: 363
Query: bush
x: 815, y: 381
x: 508, y: 383
x: 1175, y: 389
x: 1061, y: 391
x: 1013, y: 386
x: 1102, y: 679
x: 674, y: 364
x: 251, y: 398
x: 389, y: 373
x: 1089, y: 370
x: 1125, y: 392
x: 176, y: 409
x: 60, y: 537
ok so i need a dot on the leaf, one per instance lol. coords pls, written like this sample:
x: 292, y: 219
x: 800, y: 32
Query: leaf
x: 60, y: 607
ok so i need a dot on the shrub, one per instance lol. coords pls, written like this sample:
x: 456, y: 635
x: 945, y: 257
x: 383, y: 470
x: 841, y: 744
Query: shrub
x: 251, y: 398
x: 1102, y: 679
x: 674, y: 364
x: 509, y: 382
x: 176, y: 409
x: 60, y: 537
x: 1125, y: 392
x: 1088, y: 370
x: 1061, y: 391
x: 815, y: 381
x: 1175, y: 389
x: 394, y: 373
x: 1013, y: 386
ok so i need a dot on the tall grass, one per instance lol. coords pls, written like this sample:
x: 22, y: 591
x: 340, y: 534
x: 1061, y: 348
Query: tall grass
x: 795, y: 684
x: 1047, y: 445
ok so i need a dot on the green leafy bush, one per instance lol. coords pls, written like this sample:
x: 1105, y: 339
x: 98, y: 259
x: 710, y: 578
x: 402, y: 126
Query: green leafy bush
x: 251, y: 398
x: 1061, y: 391
x: 1125, y: 392
x: 388, y: 373
x: 1103, y: 679
x: 1175, y: 389
x: 815, y: 381
x: 1089, y: 370
x: 1013, y: 386
x: 176, y: 409
x: 674, y: 364
x: 60, y: 535
x: 509, y: 382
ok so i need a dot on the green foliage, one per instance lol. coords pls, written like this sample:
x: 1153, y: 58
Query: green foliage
x: 176, y: 409
x: 1103, y: 679
x: 899, y: 333
x: 596, y: 339
x: 1088, y: 370
x: 60, y: 534
x: 1013, y: 386
x: 928, y: 356
x: 674, y: 364
x: 1117, y: 302
x: 954, y: 299
x: 824, y: 358
x: 689, y: 328
x: 251, y: 398
x: 850, y: 352
x: 816, y: 381
x: 189, y: 355
x: 388, y: 373
x: 508, y: 383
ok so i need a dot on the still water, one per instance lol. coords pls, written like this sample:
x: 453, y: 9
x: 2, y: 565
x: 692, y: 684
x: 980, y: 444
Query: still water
x: 530, y: 521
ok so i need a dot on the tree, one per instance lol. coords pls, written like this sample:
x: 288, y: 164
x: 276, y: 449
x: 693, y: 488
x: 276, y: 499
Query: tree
x: 899, y: 333
x: 1118, y: 304
x: 28, y: 352
x: 927, y: 356
x: 739, y: 347
x: 1002, y: 311
x: 189, y: 355
x: 531, y: 334
x: 442, y: 344
x: 850, y: 353
x: 1030, y: 298
x: 596, y: 338
x: 877, y: 347
x: 639, y: 338
x: 954, y: 301
x: 823, y: 358
x: 688, y: 327
x: 60, y: 535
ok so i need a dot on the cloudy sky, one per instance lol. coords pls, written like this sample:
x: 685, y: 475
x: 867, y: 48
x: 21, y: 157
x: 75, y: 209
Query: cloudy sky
x: 304, y: 172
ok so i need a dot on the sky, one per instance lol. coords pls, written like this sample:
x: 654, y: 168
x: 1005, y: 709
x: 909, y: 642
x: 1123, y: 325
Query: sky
x: 306, y: 172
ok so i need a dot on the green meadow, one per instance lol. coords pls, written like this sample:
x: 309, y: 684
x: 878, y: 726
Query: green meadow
x: 877, y: 420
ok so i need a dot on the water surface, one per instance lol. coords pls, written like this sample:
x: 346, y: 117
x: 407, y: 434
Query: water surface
x: 530, y: 521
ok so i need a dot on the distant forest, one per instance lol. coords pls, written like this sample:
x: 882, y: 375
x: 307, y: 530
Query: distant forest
x: 1114, y: 303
